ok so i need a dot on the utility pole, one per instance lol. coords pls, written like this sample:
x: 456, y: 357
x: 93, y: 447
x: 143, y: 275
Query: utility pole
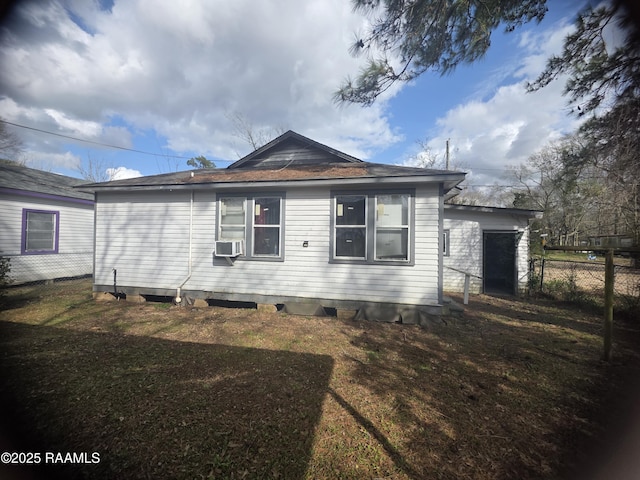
x: 447, y: 156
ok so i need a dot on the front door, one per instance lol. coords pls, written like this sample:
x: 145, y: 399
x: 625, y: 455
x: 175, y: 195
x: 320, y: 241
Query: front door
x: 499, y: 262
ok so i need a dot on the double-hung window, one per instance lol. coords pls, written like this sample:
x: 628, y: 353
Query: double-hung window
x: 351, y: 226
x: 392, y: 227
x: 372, y: 227
x: 40, y: 231
x: 267, y: 226
x: 232, y: 218
x: 257, y: 220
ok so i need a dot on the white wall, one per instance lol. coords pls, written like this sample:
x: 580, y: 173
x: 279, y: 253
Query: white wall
x: 144, y: 236
x: 466, y: 229
x: 75, y: 240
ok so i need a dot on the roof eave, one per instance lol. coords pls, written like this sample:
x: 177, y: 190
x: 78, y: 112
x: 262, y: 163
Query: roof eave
x: 449, y: 181
x: 510, y: 211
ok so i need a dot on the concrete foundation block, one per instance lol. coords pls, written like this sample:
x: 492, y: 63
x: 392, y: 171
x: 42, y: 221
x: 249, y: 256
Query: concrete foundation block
x: 104, y: 297
x: 379, y: 313
x: 200, y: 303
x: 136, y: 298
x: 344, y: 314
x: 304, y: 308
x: 267, y: 308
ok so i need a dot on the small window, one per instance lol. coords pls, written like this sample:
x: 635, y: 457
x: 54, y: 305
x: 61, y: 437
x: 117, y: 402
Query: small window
x: 39, y: 232
x: 445, y: 243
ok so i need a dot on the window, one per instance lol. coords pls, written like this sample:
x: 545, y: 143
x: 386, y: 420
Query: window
x: 39, y: 231
x: 255, y: 219
x: 351, y: 227
x: 232, y: 219
x: 392, y: 227
x: 266, y: 226
x: 372, y: 227
x: 445, y: 243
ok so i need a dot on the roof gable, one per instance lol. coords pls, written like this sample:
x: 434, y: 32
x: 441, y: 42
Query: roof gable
x: 290, y: 147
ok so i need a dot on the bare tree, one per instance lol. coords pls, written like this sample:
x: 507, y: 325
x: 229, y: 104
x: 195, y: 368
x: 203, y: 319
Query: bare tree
x: 94, y: 170
x: 254, y: 136
x: 10, y: 143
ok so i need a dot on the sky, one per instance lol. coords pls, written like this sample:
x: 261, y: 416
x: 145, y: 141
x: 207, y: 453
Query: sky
x: 166, y: 79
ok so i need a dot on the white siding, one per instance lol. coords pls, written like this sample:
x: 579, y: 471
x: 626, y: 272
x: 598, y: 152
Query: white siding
x: 465, y: 246
x: 145, y: 237
x: 75, y: 239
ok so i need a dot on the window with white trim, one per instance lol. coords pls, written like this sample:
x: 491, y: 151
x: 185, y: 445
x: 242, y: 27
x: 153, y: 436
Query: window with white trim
x: 372, y: 227
x: 258, y: 220
x: 39, y: 231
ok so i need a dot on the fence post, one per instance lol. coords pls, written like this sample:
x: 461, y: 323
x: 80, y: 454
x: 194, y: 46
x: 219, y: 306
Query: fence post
x: 467, y: 277
x: 542, y: 275
x: 608, y: 304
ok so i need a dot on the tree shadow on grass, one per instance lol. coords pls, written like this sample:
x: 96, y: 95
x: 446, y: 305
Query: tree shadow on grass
x: 155, y: 408
x: 480, y: 394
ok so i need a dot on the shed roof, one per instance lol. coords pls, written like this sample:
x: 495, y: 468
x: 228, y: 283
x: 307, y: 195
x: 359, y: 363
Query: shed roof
x: 29, y: 180
x: 482, y: 209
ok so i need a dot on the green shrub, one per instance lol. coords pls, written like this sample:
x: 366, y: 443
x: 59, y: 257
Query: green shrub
x: 5, y: 269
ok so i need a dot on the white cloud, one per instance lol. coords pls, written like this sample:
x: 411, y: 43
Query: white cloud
x: 51, y: 161
x: 120, y: 173
x: 488, y: 135
x: 179, y: 67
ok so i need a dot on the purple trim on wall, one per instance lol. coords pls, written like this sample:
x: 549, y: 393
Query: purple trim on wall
x: 45, y: 196
x: 56, y: 238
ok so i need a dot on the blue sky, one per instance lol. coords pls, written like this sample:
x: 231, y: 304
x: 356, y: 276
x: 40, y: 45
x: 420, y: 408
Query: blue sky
x: 165, y: 77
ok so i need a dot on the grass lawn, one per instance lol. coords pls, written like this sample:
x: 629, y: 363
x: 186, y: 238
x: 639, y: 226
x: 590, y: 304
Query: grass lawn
x: 511, y: 389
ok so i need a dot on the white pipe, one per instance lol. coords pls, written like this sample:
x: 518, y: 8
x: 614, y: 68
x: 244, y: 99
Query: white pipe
x: 178, y: 299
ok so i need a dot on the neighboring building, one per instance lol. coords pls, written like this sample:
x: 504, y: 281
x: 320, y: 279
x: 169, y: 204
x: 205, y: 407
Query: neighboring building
x: 611, y: 241
x: 46, y: 225
x: 294, y: 221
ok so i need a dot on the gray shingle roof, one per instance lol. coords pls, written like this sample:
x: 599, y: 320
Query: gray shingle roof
x: 289, y: 158
x: 17, y: 177
x: 323, y: 172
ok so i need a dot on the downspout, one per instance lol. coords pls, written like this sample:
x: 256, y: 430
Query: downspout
x: 178, y: 298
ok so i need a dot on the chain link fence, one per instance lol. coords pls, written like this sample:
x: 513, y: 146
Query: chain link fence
x: 580, y: 278
x: 18, y: 270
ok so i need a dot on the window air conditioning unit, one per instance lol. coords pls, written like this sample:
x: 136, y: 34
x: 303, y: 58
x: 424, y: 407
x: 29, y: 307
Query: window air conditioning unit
x: 229, y: 248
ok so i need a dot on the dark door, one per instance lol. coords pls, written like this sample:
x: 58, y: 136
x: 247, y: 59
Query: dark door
x: 499, y: 262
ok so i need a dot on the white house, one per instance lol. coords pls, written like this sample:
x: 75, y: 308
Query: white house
x: 294, y: 221
x: 46, y: 225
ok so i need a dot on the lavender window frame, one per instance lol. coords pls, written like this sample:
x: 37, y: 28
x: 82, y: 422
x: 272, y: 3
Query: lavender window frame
x: 56, y: 235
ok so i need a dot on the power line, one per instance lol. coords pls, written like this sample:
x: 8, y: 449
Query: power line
x: 92, y: 142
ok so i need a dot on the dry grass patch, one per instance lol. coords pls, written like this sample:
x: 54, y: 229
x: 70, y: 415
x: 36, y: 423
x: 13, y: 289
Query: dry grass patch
x: 511, y: 389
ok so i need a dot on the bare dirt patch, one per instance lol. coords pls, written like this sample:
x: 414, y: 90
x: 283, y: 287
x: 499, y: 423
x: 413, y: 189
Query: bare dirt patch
x: 511, y: 389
